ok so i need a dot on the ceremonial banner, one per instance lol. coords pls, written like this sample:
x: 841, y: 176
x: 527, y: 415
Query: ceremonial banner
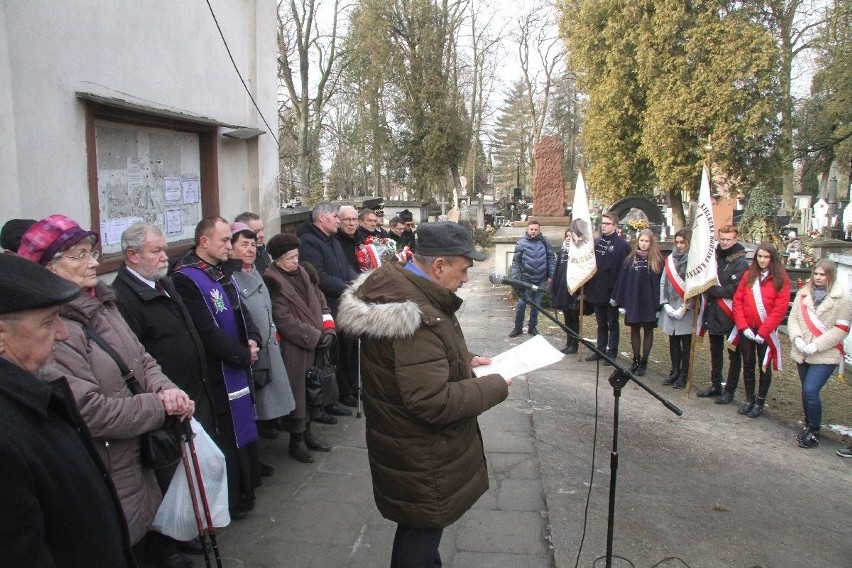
x: 581, y: 265
x: 701, y: 262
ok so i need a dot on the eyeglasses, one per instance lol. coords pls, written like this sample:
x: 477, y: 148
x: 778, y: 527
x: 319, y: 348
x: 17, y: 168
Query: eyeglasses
x: 607, y: 223
x: 84, y: 256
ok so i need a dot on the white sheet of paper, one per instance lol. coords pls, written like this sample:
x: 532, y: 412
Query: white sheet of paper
x: 530, y: 355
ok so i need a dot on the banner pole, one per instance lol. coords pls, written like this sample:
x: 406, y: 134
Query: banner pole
x: 582, y: 316
x: 693, y: 345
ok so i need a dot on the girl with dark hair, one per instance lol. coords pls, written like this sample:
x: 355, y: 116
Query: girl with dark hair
x: 760, y: 304
x: 672, y: 315
x: 561, y: 298
x: 817, y: 326
x: 637, y: 292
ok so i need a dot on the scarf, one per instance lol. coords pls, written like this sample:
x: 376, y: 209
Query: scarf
x: 680, y: 258
x: 819, y: 294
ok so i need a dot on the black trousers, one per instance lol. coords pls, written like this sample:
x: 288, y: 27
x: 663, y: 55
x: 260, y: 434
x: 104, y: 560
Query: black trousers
x: 753, y: 353
x: 608, y: 329
x: 572, y: 322
x: 416, y: 548
x: 717, y: 363
x: 679, y: 348
x: 347, y: 366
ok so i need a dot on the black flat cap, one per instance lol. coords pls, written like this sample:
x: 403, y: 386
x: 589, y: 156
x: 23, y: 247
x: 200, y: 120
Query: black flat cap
x: 445, y: 238
x: 25, y: 285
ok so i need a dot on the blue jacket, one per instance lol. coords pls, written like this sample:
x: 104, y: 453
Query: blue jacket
x: 534, y: 260
x: 326, y: 254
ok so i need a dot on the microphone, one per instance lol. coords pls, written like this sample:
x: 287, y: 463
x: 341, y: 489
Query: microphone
x: 501, y: 279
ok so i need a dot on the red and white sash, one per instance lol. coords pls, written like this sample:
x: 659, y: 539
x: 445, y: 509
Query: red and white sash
x: 727, y: 306
x: 674, y: 278
x: 773, y: 353
x: 817, y: 328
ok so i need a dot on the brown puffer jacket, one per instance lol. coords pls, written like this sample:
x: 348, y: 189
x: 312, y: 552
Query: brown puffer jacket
x: 421, y: 400
x: 114, y: 417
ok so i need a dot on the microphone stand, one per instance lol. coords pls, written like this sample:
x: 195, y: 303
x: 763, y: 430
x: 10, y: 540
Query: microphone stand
x: 618, y: 379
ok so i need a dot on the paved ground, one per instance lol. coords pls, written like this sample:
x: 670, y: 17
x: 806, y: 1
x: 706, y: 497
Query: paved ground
x: 711, y: 488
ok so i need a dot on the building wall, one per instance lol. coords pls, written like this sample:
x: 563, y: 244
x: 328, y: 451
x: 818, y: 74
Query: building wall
x: 162, y: 55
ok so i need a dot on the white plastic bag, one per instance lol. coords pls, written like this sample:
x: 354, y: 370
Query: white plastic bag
x: 176, y: 517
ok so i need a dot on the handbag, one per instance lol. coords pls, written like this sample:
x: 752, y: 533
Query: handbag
x: 321, y: 381
x: 260, y: 370
x: 160, y: 448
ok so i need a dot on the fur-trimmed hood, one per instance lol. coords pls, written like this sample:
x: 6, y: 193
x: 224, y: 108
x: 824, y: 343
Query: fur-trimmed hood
x: 392, y: 302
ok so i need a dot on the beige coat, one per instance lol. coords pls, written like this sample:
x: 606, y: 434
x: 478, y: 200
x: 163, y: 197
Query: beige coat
x: 115, y: 418
x: 836, y: 306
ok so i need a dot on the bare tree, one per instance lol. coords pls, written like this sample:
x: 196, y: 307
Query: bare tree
x: 794, y: 24
x: 304, y: 47
x: 541, y: 55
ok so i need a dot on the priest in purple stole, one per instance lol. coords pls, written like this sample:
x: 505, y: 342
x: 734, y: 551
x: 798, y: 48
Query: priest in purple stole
x: 203, y: 280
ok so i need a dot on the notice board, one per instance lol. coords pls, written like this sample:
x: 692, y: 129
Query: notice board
x: 147, y: 174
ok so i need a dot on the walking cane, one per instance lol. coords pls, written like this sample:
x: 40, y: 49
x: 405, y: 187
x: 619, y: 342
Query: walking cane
x: 358, y: 367
x: 207, y: 516
x: 202, y: 537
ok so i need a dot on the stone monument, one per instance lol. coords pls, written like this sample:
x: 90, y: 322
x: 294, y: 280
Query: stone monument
x: 548, y: 184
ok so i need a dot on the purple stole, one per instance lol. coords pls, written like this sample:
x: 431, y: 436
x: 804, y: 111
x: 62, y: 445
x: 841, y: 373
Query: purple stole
x: 236, y: 379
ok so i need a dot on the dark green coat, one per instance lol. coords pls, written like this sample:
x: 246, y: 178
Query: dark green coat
x: 420, y: 398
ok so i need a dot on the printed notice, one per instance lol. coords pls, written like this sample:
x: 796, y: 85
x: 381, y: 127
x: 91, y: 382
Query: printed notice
x: 191, y: 190
x: 530, y: 355
x: 174, y: 221
x: 172, y: 191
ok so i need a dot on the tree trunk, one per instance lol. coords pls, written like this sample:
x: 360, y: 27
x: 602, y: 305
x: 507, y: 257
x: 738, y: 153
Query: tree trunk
x: 678, y: 217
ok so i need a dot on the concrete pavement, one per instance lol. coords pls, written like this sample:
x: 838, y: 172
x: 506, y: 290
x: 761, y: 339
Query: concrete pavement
x: 323, y: 514
x: 711, y: 488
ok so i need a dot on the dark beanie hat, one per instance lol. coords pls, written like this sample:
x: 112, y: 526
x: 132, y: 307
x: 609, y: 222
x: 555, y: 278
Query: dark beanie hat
x: 13, y: 230
x: 281, y: 244
x: 406, y: 215
x: 24, y: 285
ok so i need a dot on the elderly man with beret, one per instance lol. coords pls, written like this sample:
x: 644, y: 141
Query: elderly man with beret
x: 421, y: 400
x: 59, y: 507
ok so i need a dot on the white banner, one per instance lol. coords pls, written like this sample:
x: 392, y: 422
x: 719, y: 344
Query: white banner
x: 701, y: 262
x: 581, y: 266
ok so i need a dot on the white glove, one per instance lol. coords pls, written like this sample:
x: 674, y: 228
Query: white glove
x: 679, y: 313
x: 622, y: 311
x: 809, y: 349
x: 612, y: 302
x: 749, y: 334
x: 799, y: 343
x: 758, y: 339
x: 670, y: 311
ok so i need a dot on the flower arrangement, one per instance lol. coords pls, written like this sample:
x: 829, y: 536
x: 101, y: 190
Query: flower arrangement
x: 813, y: 233
x: 375, y: 251
x: 638, y: 224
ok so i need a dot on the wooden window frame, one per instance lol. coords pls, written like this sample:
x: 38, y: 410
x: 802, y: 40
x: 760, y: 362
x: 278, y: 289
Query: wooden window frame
x: 208, y: 157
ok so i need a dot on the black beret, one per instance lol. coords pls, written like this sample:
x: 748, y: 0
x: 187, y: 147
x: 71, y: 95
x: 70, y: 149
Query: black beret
x: 281, y: 244
x: 25, y: 285
x: 13, y: 230
x: 445, y: 238
x: 406, y: 215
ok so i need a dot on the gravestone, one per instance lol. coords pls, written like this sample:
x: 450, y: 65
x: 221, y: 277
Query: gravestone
x: 548, y: 184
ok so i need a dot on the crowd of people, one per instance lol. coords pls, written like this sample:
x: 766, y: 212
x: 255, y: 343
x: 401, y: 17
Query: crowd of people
x: 227, y: 333
x: 741, y: 315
